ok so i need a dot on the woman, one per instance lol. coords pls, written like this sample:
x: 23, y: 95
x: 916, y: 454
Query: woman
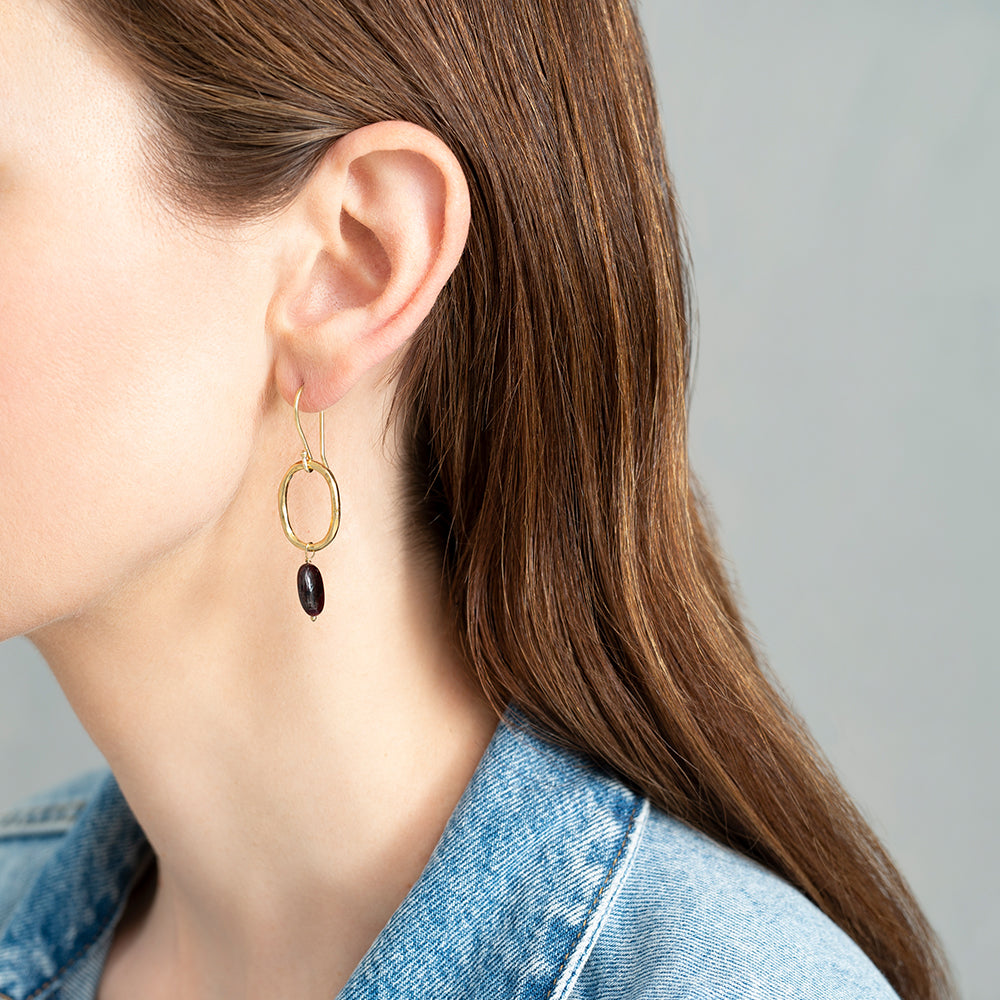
x: 448, y: 228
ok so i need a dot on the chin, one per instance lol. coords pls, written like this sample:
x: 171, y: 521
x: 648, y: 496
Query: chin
x: 32, y: 611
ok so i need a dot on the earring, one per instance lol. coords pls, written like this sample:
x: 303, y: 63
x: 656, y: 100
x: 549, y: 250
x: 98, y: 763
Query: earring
x: 310, y: 580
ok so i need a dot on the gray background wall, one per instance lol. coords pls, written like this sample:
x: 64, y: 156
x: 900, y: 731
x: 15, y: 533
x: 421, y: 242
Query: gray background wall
x: 837, y: 168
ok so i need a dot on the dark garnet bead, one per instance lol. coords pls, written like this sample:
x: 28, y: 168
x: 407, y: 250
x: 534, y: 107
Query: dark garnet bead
x: 311, y: 595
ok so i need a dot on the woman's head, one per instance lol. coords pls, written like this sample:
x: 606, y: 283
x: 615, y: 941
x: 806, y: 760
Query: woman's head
x: 150, y: 344
x: 549, y: 109
x: 540, y: 389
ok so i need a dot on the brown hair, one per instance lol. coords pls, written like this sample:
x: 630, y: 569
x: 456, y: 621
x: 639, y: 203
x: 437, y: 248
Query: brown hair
x: 545, y: 397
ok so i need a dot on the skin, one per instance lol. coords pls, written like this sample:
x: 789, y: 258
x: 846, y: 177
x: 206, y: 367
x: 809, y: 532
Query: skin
x: 292, y: 776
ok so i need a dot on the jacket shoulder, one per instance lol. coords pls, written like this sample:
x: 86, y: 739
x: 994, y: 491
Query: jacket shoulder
x: 32, y: 830
x: 693, y: 918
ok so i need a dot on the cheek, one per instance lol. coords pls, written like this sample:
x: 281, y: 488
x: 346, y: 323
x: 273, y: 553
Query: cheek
x: 131, y: 359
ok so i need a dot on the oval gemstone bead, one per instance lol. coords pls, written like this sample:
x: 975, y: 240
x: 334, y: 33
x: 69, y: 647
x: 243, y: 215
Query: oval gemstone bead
x: 311, y: 595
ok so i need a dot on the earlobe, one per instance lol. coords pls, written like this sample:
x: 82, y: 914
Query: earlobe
x: 374, y: 236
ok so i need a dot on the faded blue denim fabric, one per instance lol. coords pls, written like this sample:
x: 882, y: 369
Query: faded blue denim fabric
x: 551, y: 881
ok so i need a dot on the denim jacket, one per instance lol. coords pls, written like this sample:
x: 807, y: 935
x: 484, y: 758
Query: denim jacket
x: 551, y: 880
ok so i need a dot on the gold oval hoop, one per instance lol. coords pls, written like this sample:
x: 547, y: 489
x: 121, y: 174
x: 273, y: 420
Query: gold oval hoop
x: 309, y: 465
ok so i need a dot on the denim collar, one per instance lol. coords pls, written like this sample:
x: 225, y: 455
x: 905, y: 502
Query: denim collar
x: 75, y: 900
x: 508, y: 895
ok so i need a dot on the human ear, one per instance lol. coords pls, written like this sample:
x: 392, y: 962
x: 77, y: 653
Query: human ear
x: 366, y: 248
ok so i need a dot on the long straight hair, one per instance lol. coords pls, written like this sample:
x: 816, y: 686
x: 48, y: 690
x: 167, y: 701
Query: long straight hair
x: 544, y: 400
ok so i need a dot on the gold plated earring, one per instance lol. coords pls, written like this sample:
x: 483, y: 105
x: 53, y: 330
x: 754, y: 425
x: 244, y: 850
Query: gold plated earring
x: 310, y: 580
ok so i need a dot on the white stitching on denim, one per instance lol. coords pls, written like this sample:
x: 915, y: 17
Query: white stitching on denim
x: 45, y: 814
x: 597, y: 896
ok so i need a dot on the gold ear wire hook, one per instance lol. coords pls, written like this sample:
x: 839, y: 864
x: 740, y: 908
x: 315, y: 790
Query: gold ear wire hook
x: 322, y: 432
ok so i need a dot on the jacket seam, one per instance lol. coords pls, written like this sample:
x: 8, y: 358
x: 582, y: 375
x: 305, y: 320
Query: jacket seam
x: 49, y: 819
x: 593, y: 903
x: 61, y: 971
x: 73, y: 959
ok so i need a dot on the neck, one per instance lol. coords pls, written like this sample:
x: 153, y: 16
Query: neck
x: 292, y: 776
